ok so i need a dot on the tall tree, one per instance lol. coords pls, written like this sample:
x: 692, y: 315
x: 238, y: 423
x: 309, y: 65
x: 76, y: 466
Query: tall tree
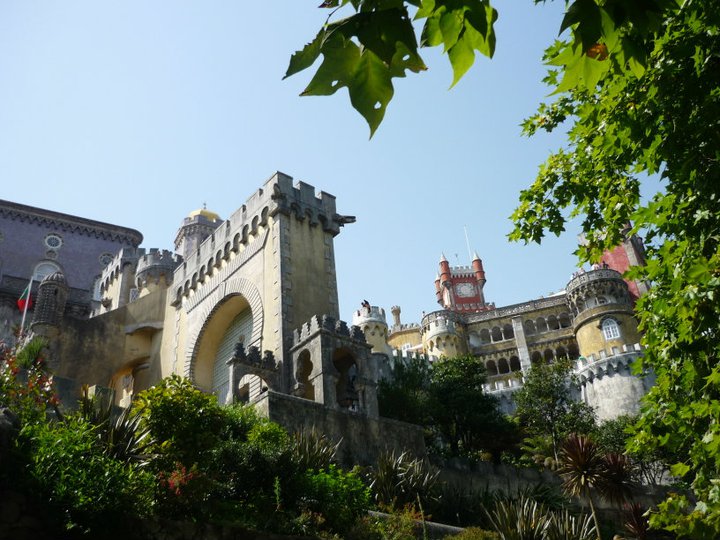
x: 546, y: 406
x: 447, y: 398
x: 637, y: 86
x: 655, y: 113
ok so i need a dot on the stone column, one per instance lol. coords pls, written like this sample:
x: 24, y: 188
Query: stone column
x: 523, y: 352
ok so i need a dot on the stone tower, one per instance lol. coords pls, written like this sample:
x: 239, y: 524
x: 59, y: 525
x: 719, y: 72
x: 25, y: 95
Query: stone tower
x: 332, y: 365
x: 50, y: 306
x: 443, y: 334
x: 194, y: 230
x: 371, y: 320
x: 608, y: 339
x: 460, y: 288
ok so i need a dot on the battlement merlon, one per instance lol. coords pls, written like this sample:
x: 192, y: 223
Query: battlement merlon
x: 123, y: 257
x: 157, y: 263
x: 281, y: 196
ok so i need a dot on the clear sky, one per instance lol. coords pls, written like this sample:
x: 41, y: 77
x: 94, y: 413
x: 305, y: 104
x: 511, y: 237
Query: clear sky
x: 138, y: 112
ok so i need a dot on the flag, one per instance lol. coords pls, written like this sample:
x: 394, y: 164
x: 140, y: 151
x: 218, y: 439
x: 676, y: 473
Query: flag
x: 25, y: 301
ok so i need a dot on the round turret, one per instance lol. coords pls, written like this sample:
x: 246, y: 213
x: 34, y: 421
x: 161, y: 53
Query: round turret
x: 603, y: 310
x: 50, y: 306
x: 443, y: 334
x: 609, y: 342
x: 371, y: 319
x: 155, y: 270
x: 195, y: 229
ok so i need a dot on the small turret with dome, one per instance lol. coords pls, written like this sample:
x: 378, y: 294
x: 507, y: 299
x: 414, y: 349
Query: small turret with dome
x: 196, y: 227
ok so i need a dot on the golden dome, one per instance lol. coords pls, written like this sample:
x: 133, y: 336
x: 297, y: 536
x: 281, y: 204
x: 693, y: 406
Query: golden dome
x: 207, y: 214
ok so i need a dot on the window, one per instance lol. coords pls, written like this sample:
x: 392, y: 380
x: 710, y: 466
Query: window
x: 44, y: 269
x: 610, y: 329
x: 53, y: 241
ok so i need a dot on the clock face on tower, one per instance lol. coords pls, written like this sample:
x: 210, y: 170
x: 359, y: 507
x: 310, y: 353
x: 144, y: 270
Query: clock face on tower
x: 465, y: 289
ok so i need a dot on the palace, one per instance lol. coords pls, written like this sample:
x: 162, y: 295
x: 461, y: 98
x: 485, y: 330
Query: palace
x: 247, y: 307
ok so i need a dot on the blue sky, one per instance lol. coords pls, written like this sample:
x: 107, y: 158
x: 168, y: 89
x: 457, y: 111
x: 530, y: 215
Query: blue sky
x: 138, y: 112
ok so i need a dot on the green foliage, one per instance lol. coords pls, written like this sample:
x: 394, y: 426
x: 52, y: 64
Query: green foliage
x: 340, y: 497
x: 26, y: 386
x: 526, y: 519
x: 447, y: 398
x: 184, y: 422
x: 399, y: 480
x: 474, y: 533
x: 649, y: 107
x: 80, y: 480
x: 405, y: 395
x: 118, y: 432
x: 377, y: 42
x: 313, y: 451
x: 546, y: 408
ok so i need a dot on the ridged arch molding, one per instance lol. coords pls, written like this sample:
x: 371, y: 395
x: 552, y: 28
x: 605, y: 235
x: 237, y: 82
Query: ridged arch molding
x: 232, y: 287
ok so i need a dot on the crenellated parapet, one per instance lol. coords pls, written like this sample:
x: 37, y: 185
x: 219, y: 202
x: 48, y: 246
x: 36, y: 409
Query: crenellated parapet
x: 440, y: 323
x: 156, y: 264
x: 329, y: 326
x: 245, y: 232
x: 588, y: 289
x: 596, y: 366
x: 126, y: 259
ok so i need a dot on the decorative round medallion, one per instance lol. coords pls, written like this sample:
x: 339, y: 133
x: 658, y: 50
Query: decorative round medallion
x: 53, y: 241
x: 106, y: 258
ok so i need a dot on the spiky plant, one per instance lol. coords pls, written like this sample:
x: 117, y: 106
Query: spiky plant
x: 314, y: 451
x: 119, y: 433
x: 581, y: 468
x: 636, y: 524
x: 615, y: 485
x: 399, y: 480
x: 522, y: 519
x: 564, y: 525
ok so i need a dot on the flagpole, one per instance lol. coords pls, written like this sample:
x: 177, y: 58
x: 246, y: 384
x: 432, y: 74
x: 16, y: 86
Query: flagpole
x: 25, y: 307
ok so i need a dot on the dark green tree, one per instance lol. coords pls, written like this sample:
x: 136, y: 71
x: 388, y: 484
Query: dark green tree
x: 546, y: 407
x: 637, y: 87
x: 447, y: 398
x: 405, y: 395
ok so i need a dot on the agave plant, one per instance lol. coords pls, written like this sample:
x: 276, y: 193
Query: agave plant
x: 564, y: 525
x: 120, y: 434
x: 399, y: 480
x: 314, y: 451
x: 522, y: 519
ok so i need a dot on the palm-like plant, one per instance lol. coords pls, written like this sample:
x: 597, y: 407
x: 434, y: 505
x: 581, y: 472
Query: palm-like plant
x: 581, y: 469
x: 523, y: 519
x: 584, y: 468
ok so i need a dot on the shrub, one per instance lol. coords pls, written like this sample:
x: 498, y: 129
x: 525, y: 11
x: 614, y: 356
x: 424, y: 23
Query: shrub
x: 185, y: 422
x: 339, y: 497
x: 93, y: 490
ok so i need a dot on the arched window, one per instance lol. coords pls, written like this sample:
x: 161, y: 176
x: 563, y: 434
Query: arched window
x: 44, y: 269
x: 611, y: 329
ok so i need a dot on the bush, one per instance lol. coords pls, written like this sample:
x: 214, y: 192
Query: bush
x: 94, y: 491
x: 339, y: 497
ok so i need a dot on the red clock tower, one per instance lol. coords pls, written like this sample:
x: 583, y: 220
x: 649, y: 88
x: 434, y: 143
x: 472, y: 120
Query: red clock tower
x: 460, y: 288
